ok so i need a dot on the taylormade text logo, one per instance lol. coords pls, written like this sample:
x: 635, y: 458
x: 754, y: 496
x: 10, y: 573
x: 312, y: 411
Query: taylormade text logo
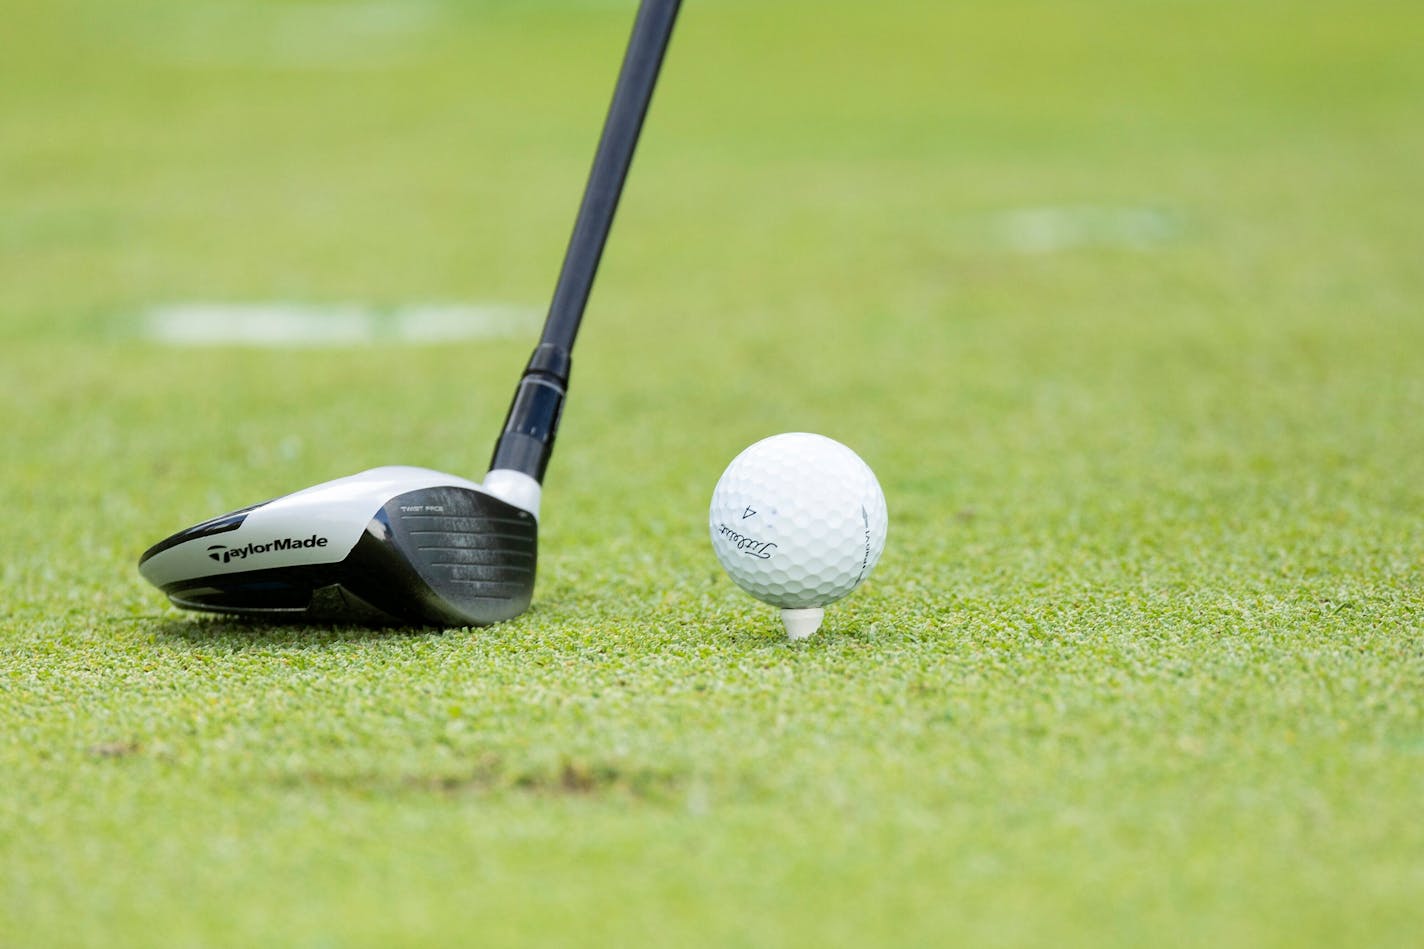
x: 225, y: 554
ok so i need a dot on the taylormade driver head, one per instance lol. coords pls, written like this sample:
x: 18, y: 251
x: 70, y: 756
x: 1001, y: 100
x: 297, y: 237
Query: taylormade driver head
x: 389, y: 545
x: 411, y: 545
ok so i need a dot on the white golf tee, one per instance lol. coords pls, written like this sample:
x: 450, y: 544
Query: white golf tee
x: 802, y: 623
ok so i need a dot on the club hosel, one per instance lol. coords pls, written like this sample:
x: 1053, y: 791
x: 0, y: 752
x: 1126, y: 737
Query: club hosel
x: 528, y: 437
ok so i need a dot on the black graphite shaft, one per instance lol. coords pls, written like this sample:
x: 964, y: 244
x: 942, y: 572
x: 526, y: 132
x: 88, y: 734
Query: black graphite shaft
x: 529, y: 429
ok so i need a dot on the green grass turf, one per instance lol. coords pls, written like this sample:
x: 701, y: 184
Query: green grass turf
x: 1142, y: 662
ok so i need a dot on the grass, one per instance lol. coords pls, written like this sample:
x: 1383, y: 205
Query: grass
x: 1142, y: 661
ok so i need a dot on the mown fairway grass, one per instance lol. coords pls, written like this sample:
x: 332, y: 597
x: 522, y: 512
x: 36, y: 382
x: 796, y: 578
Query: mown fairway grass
x: 1122, y: 300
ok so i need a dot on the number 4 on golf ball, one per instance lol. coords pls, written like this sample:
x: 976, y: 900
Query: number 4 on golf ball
x: 798, y: 521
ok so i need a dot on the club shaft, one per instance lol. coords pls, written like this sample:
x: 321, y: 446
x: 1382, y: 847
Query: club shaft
x: 529, y: 429
x: 641, y: 64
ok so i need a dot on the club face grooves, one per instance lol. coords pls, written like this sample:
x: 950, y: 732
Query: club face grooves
x: 474, y: 552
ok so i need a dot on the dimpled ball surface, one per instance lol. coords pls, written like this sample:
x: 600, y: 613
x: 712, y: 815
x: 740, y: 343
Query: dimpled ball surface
x: 798, y: 520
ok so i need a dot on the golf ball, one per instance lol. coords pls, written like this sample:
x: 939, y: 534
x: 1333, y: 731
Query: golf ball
x: 798, y: 520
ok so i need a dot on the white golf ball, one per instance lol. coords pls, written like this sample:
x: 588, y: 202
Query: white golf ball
x: 798, y: 521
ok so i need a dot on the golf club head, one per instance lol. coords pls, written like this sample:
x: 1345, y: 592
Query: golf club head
x: 389, y: 546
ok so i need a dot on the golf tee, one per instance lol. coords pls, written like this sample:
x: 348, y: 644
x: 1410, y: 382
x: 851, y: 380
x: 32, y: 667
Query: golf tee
x: 801, y: 623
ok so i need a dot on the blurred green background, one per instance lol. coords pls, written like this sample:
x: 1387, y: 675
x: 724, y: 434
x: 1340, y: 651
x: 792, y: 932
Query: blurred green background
x: 1120, y: 299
